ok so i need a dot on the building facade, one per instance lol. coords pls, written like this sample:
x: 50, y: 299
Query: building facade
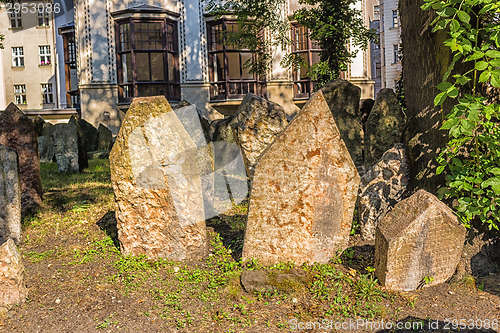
x: 390, y: 41
x: 128, y: 49
x: 30, y: 61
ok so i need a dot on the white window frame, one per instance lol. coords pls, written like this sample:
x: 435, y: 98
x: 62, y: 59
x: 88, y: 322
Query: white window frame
x: 376, y: 13
x: 43, y: 17
x: 44, y: 55
x: 395, y: 19
x: 16, y: 20
x: 395, y: 53
x: 20, y: 94
x: 17, y: 56
x: 47, y: 93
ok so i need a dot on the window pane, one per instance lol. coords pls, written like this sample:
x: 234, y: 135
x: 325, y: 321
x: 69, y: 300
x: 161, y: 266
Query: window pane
x: 142, y: 65
x: 303, y: 68
x: 149, y: 36
x: 157, y: 67
x: 234, y: 66
x: 171, y: 67
x: 245, y: 74
x: 127, y: 67
x: 219, y: 72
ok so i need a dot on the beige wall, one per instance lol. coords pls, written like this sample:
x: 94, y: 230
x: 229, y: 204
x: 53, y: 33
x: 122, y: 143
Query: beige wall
x: 30, y: 36
x: 98, y: 101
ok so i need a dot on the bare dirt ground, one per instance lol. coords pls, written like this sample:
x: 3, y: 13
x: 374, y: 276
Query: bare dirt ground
x: 79, y: 282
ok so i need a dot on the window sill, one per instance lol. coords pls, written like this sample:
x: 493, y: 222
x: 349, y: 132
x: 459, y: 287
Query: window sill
x: 43, y: 26
x: 16, y: 29
x: 49, y: 65
x: 17, y: 67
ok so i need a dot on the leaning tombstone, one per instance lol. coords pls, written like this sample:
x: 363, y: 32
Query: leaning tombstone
x: 12, y: 285
x: 303, y: 193
x: 418, y: 243
x: 18, y: 133
x: 10, y: 196
x: 83, y: 161
x: 66, y: 147
x: 104, y: 138
x: 381, y: 188
x: 157, y: 185
x: 384, y: 126
x: 90, y: 133
x: 343, y: 99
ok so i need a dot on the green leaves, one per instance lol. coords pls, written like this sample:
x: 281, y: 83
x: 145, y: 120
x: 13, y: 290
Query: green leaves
x: 463, y: 16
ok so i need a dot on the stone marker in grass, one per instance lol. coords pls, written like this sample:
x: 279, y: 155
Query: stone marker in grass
x: 12, y: 286
x: 10, y: 196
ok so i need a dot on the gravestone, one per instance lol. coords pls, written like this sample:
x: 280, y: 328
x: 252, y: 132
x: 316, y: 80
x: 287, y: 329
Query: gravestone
x: 303, y: 193
x: 256, y: 124
x: 10, y: 196
x: 38, y: 124
x: 418, y: 243
x: 18, y: 133
x: 384, y: 126
x: 48, y: 129
x: 157, y: 184
x: 46, y: 149
x: 105, y: 138
x: 83, y: 161
x: 90, y: 133
x: 343, y: 99
x: 381, y: 188
x: 66, y: 147
x: 12, y: 286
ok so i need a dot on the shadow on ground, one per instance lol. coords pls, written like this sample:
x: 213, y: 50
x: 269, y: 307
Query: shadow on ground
x: 108, y: 224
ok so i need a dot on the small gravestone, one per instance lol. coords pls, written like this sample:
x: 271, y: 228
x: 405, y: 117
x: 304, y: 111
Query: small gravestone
x: 18, y: 133
x: 12, y: 286
x: 90, y: 133
x: 343, y: 99
x: 105, y: 138
x: 381, y: 188
x: 256, y: 124
x: 157, y: 184
x: 66, y: 147
x: 83, y: 161
x: 10, y: 196
x: 384, y: 126
x: 46, y: 148
x: 304, y: 192
x: 38, y: 124
x: 418, y: 243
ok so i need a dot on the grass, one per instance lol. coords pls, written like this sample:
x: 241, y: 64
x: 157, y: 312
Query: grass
x: 71, y: 247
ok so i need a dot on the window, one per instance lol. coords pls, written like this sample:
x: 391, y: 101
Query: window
x: 20, y: 93
x: 396, y: 53
x: 15, y: 19
x: 395, y: 20
x: 71, y: 75
x: 147, y: 59
x: 47, y: 93
x: 376, y: 13
x: 309, y: 50
x: 43, y: 17
x: 378, y: 70
x: 17, y: 57
x: 229, y: 79
x: 44, y: 52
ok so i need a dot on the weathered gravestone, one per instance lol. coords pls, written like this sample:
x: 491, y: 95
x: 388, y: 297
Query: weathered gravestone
x: 384, y: 126
x: 66, y: 147
x: 418, y: 243
x: 12, y: 286
x: 343, y: 99
x: 105, y: 138
x: 256, y: 124
x: 18, y: 133
x: 10, y: 196
x: 381, y: 188
x: 83, y: 161
x: 38, y: 124
x: 157, y: 185
x: 91, y: 135
x: 46, y: 149
x: 304, y: 191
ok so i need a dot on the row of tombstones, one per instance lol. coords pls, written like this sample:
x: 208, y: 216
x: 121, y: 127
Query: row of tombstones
x: 172, y: 169
x: 20, y: 181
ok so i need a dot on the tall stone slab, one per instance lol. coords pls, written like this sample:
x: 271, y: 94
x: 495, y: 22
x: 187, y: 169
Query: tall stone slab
x: 157, y: 184
x: 38, y: 124
x: 12, y: 285
x: 46, y: 148
x: 66, y: 147
x: 343, y: 99
x: 381, y: 188
x: 90, y: 133
x: 10, y: 196
x: 18, y: 133
x: 303, y: 193
x: 384, y: 126
x: 418, y: 243
x: 256, y: 124
x: 83, y: 161
x: 105, y: 138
